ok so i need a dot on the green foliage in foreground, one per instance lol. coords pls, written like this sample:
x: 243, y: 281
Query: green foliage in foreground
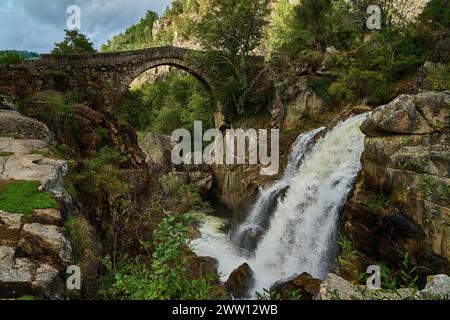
x: 23, y: 197
x: 164, y: 106
x: 162, y: 279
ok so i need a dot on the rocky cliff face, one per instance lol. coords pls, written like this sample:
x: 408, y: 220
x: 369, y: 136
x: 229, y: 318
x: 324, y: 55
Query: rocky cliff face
x: 401, y: 202
x: 34, y: 251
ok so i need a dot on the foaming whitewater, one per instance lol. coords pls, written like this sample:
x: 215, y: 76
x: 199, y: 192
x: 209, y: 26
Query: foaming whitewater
x: 267, y: 199
x: 302, y: 232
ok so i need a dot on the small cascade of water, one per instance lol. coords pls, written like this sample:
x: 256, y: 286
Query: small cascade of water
x: 302, y: 232
x: 249, y: 232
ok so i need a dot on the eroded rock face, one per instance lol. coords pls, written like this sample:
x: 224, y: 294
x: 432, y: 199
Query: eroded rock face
x: 401, y: 202
x: 306, y: 105
x: 34, y: 251
x: 241, y: 282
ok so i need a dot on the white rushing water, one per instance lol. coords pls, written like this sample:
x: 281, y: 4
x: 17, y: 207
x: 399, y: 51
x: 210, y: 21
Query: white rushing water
x: 301, y: 236
x: 267, y: 198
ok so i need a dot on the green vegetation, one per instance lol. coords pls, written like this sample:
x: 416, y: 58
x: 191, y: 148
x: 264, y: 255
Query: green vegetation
x: 162, y: 279
x: 164, y: 106
x: 230, y: 31
x: 7, y: 135
x: 321, y: 87
x: 232, y: 26
x: 101, y: 173
x: 437, y: 77
x: 376, y: 202
x: 6, y: 153
x: 436, y: 15
x: 437, y: 190
x: 9, y: 58
x: 57, y: 111
x: 23, y: 197
x: 138, y: 36
x: 26, y: 298
x: 375, y: 61
x: 74, y: 43
x: 85, y: 251
x: 350, y: 263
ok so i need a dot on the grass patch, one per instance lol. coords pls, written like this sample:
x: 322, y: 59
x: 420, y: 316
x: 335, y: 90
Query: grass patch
x: 377, y: 202
x: 6, y: 153
x: 26, y: 298
x: 7, y: 135
x: 42, y: 152
x: 23, y: 197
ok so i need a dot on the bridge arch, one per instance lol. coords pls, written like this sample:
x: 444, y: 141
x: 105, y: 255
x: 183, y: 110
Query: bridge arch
x: 173, y: 62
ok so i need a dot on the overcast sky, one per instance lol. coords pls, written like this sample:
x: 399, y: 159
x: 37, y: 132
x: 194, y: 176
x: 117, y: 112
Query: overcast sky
x: 35, y: 25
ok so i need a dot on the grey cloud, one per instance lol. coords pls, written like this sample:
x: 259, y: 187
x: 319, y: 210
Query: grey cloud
x: 35, y: 25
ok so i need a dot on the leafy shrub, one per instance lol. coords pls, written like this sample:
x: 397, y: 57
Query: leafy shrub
x: 23, y: 197
x: 321, y: 87
x: 437, y: 77
x: 162, y: 279
x: 358, y: 84
x: 183, y: 194
x: 101, y: 173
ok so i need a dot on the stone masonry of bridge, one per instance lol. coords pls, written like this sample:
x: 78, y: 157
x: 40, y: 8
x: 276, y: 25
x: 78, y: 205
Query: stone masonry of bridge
x: 104, y: 77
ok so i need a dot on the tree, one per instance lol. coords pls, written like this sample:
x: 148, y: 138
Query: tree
x: 74, y: 43
x: 138, y: 36
x: 313, y: 15
x: 232, y: 26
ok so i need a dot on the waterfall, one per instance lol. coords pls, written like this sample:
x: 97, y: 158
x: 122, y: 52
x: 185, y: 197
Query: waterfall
x: 302, y: 232
x: 254, y: 227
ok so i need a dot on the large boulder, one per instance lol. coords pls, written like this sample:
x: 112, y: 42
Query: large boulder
x: 241, y: 282
x: 157, y: 148
x: 302, y: 287
x: 337, y: 288
x: 14, y: 124
x: 438, y: 287
x: 202, y: 267
x: 425, y: 113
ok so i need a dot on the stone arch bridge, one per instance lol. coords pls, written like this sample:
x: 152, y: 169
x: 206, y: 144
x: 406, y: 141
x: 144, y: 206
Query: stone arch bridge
x: 104, y: 77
